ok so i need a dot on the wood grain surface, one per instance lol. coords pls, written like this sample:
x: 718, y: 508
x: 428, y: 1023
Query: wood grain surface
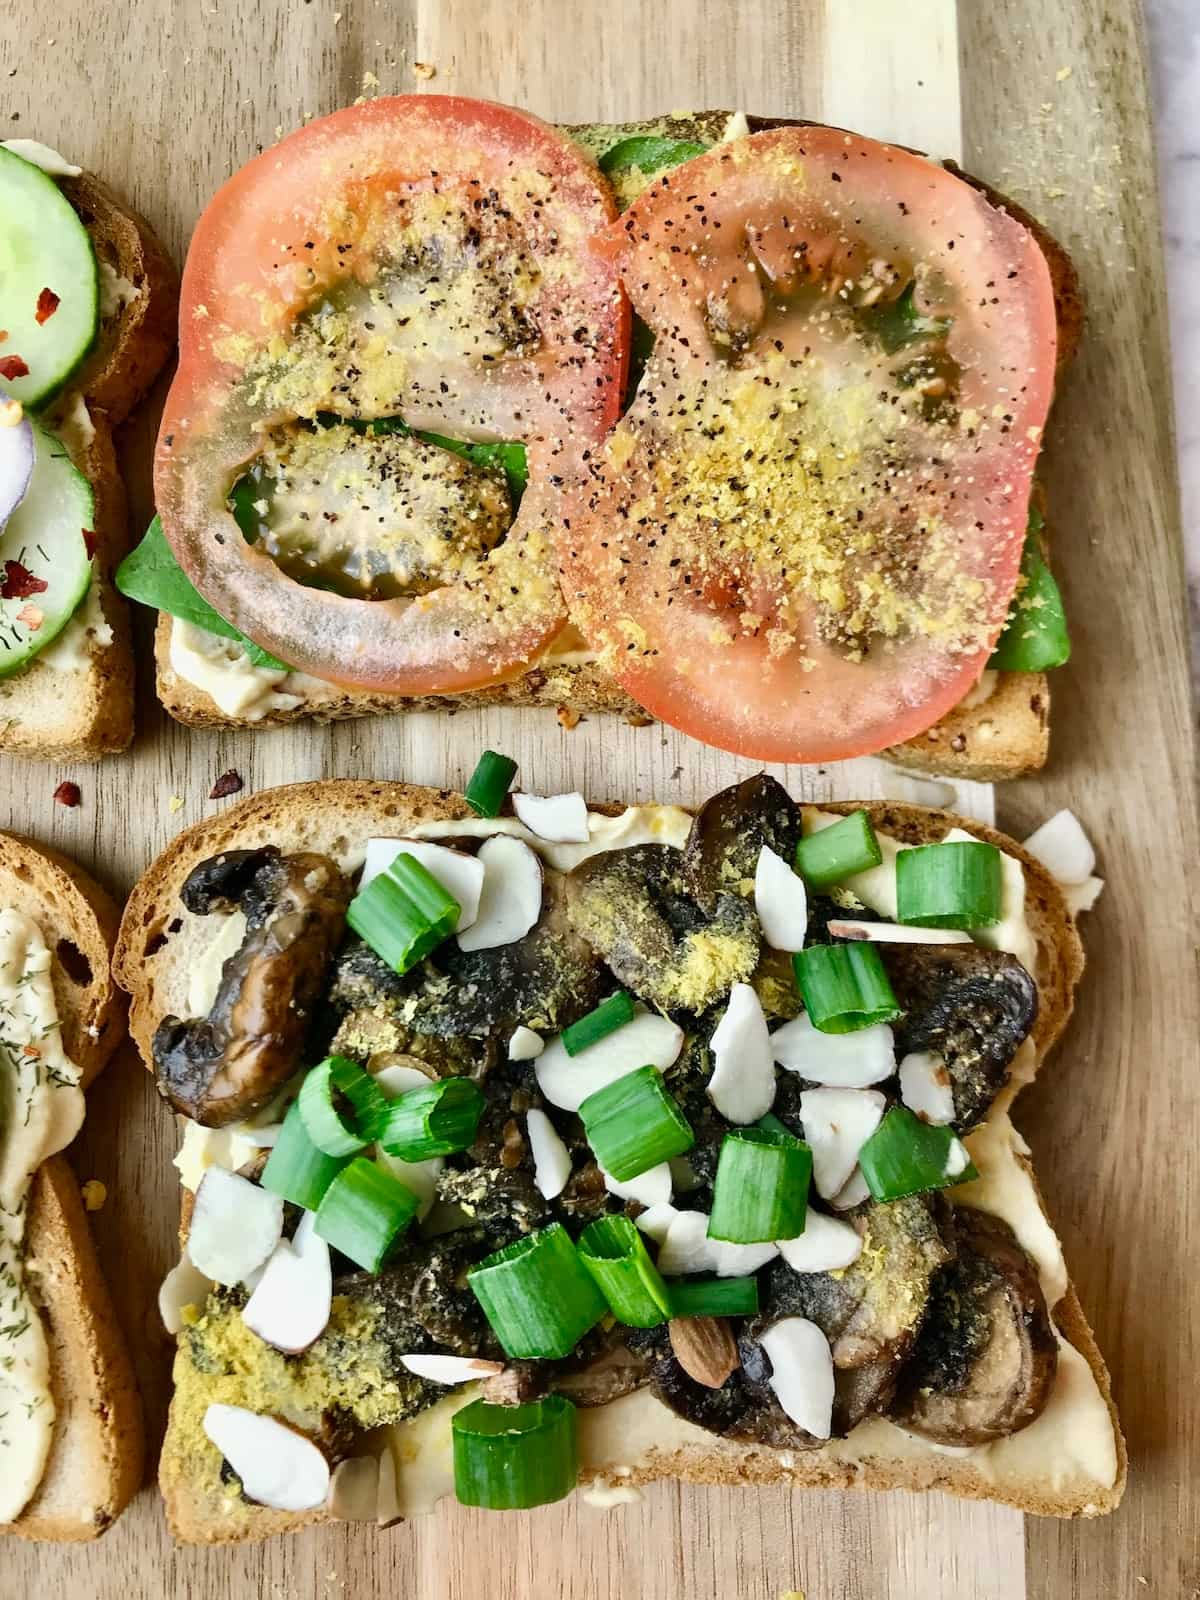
x: 165, y: 99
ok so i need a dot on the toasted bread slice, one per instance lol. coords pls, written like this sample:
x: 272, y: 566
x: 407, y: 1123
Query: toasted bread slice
x: 156, y: 951
x: 1005, y: 736
x: 82, y: 711
x: 96, y: 1457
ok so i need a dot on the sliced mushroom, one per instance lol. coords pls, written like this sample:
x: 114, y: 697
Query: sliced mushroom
x: 221, y: 1068
x: 970, y: 1006
x: 729, y: 832
x: 984, y: 1364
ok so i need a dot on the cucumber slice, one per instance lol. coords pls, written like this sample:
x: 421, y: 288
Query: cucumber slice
x: 43, y: 245
x: 43, y: 542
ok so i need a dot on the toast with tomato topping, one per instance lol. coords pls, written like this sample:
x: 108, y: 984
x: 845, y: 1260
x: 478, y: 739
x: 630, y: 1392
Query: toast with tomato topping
x: 75, y: 702
x: 94, y: 1463
x: 1063, y: 1455
x: 998, y: 729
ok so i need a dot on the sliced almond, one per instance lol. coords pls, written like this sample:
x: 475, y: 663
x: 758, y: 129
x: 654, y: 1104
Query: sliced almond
x: 925, y: 1087
x: 1063, y: 848
x: 801, y: 1373
x: 234, y: 1228
x: 510, y: 901
x: 781, y: 901
x: 841, y: 1060
x: 278, y: 1466
x: 525, y: 1044
x: 826, y: 1244
x: 451, y: 1369
x: 705, y: 1349
x: 897, y: 933
x: 742, y: 1084
x: 291, y: 1301
x: 354, y: 1490
x: 551, y: 1158
x: 460, y: 874
x: 649, y: 1188
x: 566, y: 1081
x: 561, y: 818
x: 837, y: 1123
x: 185, y: 1285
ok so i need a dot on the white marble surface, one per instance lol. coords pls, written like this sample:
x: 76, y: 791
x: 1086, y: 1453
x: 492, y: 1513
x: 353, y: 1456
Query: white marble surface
x: 1174, y: 33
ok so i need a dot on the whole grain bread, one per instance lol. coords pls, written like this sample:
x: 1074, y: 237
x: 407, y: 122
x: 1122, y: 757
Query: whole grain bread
x: 159, y: 943
x: 96, y: 1457
x: 1006, y: 736
x: 47, y: 714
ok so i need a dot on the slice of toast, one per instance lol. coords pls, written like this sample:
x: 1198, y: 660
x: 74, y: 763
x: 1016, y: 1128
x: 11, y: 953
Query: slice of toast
x: 157, y: 949
x: 96, y: 1456
x: 1005, y: 736
x: 87, y: 712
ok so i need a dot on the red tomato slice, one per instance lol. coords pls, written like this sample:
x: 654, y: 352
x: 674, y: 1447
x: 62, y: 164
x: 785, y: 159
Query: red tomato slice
x: 423, y: 256
x: 801, y: 541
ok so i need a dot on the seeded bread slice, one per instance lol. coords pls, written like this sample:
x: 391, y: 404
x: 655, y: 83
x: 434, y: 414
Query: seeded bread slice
x: 96, y: 1456
x: 157, y: 948
x: 83, y: 714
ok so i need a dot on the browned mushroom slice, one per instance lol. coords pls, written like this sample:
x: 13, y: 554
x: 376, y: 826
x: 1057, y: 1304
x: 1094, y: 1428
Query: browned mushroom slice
x: 984, y: 1364
x: 220, y: 1068
x: 728, y: 832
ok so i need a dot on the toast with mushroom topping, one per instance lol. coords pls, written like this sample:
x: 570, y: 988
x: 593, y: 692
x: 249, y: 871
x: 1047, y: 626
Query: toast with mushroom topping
x: 944, y: 1317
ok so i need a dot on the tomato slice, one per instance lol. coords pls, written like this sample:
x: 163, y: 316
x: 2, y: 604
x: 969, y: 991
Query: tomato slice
x: 801, y: 541
x: 421, y: 256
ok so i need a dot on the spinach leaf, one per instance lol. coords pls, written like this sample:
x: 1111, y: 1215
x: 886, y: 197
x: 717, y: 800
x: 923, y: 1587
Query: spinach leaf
x: 509, y: 456
x: 649, y: 153
x: 1035, y: 637
x: 896, y: 323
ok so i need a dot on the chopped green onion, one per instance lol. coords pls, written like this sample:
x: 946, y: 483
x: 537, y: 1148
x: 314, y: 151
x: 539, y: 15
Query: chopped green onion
x: 907, y: 1156
x: 772, y: 1124
x: 649, y: 153
x: 955, y: 885
x: 508, y: 1458
x: 1035, y: 637
x: 537, y: 1295
x: 608, y: 1016
x: 437, y: 1121
x: 489, y: 783
x: 633, y: 1124
x: 364, y: 1211
x: 760, y: 1192
x: 296, y: 1168
x: 613, y: 1251
x: 328, y: 1128
x: 404, y: 913
x: 845, y: 987
x: 838, y: 851
x: 713, y: 1297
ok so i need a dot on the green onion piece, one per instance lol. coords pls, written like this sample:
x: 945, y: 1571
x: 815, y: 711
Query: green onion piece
x: 296, y: 1168
x: 955, y: 885
x: 713, y: 1297
x: 537, y: 1295
x: 330, y: 1129
x: 845, y: 987
x: 608, y: 1016
x: 634, y: 1124
x: 838, y: 851
x: 772, y: 1124
x: 613, y: 1251
x: 907, y: 1156
x: 404, y: 913
x: 1035, y: 637
x: 489, y: 783
x: 649, y: 153
x: 508, y: 1458
x: 437, y: 1121
x: 364, y: 1211
x: 761, y: 1189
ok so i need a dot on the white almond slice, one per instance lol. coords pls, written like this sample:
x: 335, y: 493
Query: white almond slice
x: 277, y: 1466
x: 511, y: 899
x: 354, y: 1489
x: 655, y: 1221
x: 551, y: 1158
x: 525, y: 1045
x: 837, y: 1123
x: 648, y: 1040
x: 740, y: 1260
x: 1063, y: 848
x: 460, y: 874
x: 234, y: 1228
x: 650, y: 1188
x: 389, y: 1511
x: 561, y: 818
x: 925, y: 1087
x: 1082, y: 896
x: 686, y: 1247
x: 852, y: 1193
x: 958, y: 1158
x: 826, y: 1244
x: 742, y: 1085
x: 451, y: 1369
x: 840, y: 1060
x: 801, y: 1373
x: 781, y: 901
x: 399, y: 1079
x: 897, y: 933
x: 290, y: 1305
x: 185, y: 1285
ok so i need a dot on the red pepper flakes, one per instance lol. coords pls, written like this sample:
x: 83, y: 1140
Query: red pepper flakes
x: 19, y: 583
x: 46, y: 307
x: 89, y: 542
x: 32, y: 616
x: 228, y: 783
x: 67, y: 794
x: 12, y: 367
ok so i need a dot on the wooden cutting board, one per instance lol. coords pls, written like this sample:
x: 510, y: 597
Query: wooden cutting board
x: 1049, y: 103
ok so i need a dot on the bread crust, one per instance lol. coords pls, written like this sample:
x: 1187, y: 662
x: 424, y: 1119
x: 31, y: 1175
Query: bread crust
x: 336, y: 815
x: 97, y: 1452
